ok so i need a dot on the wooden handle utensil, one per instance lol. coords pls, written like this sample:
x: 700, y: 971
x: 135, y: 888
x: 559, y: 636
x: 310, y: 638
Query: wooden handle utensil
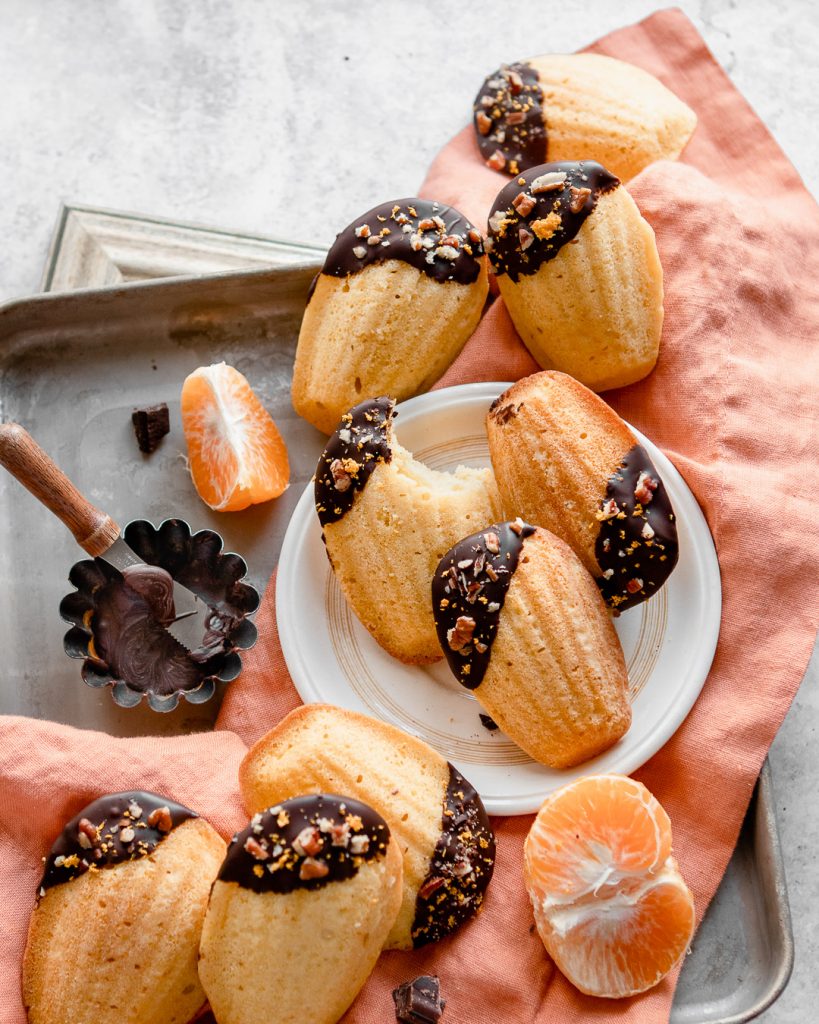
x: 94, y: 531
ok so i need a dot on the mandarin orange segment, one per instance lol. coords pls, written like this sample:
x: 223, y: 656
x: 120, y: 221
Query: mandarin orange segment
x: 610, y: 903
x: 236, y: 454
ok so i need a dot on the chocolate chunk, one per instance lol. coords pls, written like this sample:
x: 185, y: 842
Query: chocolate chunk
x: 419, y: 1001
x: 151, y: 424
x: 487, y: 722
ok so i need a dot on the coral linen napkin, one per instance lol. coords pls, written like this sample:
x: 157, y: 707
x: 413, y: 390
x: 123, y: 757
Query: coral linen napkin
x: 730, y: 402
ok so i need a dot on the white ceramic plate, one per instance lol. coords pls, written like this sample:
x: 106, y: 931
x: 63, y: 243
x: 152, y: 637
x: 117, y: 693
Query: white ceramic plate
x: 669, y: 641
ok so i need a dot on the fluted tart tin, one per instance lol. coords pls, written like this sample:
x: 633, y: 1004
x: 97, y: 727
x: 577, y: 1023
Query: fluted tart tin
x: 118, y: 624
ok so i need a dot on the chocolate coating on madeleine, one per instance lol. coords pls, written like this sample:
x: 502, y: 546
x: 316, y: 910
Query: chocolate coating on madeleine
x: 542, y: 210
x: 359, y: 444
x: 636, y: 547
x: 432, y: 237
x: 468, y: 591
x: 461, y: 865
x: 305, y: 843
x: 508, y: 119
x: 115, y: 828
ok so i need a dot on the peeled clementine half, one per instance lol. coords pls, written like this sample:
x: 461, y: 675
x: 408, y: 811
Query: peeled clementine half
x: 610, y: 903
x: 237, y: 456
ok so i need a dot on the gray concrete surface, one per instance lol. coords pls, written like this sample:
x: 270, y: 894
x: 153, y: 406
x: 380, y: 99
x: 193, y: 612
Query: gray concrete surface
x: 287, y: 118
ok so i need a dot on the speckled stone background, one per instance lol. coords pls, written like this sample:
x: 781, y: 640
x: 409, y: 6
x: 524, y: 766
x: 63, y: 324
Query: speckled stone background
x: 289, y: 118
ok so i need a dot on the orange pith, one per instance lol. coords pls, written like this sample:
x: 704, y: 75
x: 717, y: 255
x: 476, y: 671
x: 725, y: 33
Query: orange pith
x: 610, y: 904
x: 237, y: 456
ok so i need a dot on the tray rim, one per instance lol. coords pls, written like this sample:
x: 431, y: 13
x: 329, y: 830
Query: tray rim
x: 763, y: 822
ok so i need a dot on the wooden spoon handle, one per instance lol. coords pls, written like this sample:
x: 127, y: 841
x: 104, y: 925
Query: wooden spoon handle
x: 94, y: 531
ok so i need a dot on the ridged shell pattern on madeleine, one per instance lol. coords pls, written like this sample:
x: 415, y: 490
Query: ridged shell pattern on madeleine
x: 565, y: 459
x: 387, y: 521
x: 435, y: 816
x: 523, y: 626
x: 578, y: 106
x: 578, y: 268
x: 300, y: 911
x: 115, y: 933
x: 401, y: 290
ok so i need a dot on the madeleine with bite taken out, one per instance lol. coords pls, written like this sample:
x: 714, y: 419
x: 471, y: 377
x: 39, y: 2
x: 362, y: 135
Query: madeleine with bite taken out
x: 387, y: 521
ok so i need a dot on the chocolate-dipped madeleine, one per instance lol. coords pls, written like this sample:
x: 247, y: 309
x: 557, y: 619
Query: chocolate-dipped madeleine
x: 387, y: 521
x: 400, y: 292
x: 578, y: 106
x: 115, y: 932
x: 300, y: 910
x: 435, y: 816
x: 565, y: 460
x: 578, y: 269
x: 523, y: 626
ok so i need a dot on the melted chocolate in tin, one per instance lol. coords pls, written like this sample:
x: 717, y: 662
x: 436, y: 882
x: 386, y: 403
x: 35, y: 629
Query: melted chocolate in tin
x: 468, y: 591
x: 359, y: 444
x: 542, y: 210
x: 637, y: 544
x: 461, y: 866
x: 508, y: 119
x: 115, y: 828
x: 432, y: 237
x: 305, y: 843
x: 130, y: 636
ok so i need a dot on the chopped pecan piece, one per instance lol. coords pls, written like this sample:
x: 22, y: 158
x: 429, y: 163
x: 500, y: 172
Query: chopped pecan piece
x: 359, y: 845
x: 86, y: 834
x: 492, y: 541
x: 308, y: 842
x: 497, y: 161
x: 515, y: 82
x: 160, y: 818
x: 526, y: 238
x: 515, y: 117
x: 461, y: 633
x: 312, y: 868
x: 255, y: 849
x: 646, y: 485
x: 430, y: 886
x: 340, y: 834
x: 524, y: 204
x: 550, y: 182
x: 341, y: 473
x: 578, y: 200
x: 483, y: 122
x: 634, y: 585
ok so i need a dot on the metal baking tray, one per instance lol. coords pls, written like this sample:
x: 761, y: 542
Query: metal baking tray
x: 72, y: 367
